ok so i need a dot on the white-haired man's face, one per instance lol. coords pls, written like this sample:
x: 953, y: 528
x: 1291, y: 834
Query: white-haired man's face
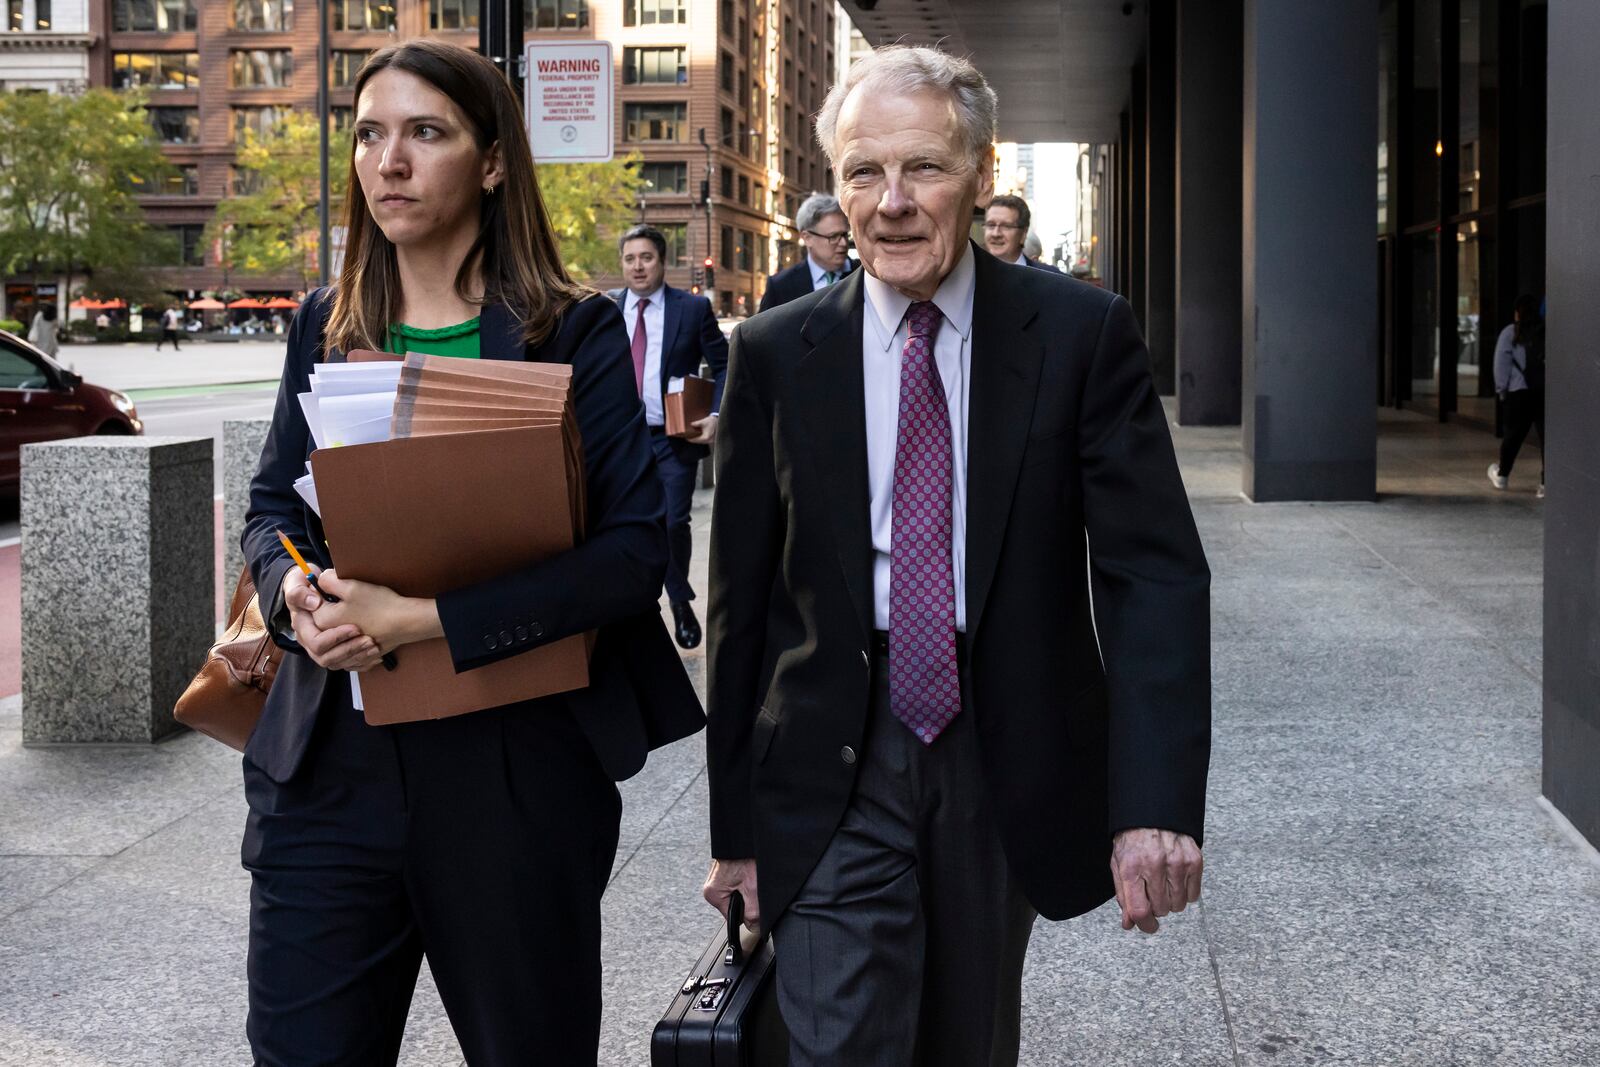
x: 907, y: 186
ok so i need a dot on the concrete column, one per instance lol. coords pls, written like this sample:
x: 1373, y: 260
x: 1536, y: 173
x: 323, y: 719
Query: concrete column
x: 117, y: 584
x: 1206, y: 342
x: 1309, y: 295
x: 1160, y: 239
x: 1572, y: 509
x: 242, y: 440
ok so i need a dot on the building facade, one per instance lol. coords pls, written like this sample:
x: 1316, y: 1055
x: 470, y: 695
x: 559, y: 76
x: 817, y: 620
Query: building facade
x: 715, y: 96
x: 49, y: 44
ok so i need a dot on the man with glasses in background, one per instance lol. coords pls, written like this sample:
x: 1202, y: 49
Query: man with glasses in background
x: 1005, y: 228
x: 826, y: 235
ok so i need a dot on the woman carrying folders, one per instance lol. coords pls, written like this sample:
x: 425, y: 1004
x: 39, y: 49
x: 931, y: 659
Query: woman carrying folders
x: 481, y: 841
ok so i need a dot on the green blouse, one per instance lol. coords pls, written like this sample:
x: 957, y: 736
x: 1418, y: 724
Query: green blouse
x: 460, y: 340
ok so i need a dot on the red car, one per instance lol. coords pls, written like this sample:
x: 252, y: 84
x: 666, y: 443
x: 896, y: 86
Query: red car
x: 40, y: 400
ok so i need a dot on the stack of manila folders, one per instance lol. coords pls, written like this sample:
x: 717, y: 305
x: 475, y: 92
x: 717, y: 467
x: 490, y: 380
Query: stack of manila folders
x: 431, y: 474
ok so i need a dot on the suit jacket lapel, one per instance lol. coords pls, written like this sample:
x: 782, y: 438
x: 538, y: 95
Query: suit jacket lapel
x: 1006, y: 361
x: 832, y: 416
x: 671, y: 320
x: 499, y: 334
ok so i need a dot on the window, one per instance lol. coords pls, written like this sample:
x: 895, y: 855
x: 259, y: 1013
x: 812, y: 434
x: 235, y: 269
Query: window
x: 188, y: 248
x: 18, y: 371
x: 246, y: 181
x: 176, y: 125
x: 727, y: 130
x: 664, y: 178
x: 726, y: 25
x: 182, y: 180
x: 788, y: 74
x: 343, y: 68
x: 262, y: 68
x: 157, y: 70
x: 555, y: 14
x: 725, y: 72
x: 267, y: 15
x: 744, y: 39
x: 744, y: 189
x: 363, y: 15
x: 263, y: 120
x: 41, y: 14
x: 726, y: 174
x: 761, y: 253
x: 655, y: 66
x: 156, y: 16
x: 727, y: 247
x: 654, y: 12
x: 14, y: 23
x: 760, y: 203
x: 745, y: 244
x: 341, y: 118
x: 677, y: 235
x: 453, y: 14
x: 655, y: 122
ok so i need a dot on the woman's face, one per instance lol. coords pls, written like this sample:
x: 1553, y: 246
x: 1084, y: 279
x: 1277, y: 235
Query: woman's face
x: 421, y: 171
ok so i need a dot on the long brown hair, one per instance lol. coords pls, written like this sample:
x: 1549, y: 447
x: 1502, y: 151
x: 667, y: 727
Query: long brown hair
x: 517, y: 255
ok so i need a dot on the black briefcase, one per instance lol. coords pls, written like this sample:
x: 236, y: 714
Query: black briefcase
x: 726, y: 1012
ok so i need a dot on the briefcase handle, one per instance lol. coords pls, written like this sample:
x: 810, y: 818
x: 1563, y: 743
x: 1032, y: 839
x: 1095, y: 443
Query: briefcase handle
x: 735, y: 953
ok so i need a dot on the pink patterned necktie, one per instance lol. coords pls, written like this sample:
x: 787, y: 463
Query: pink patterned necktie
x: 640, y: 340
x: 924, y: 679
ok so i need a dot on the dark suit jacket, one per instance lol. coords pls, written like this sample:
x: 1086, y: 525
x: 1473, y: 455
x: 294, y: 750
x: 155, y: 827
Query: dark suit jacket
x: 639, y: 696
x: 689, y: 336
x: 791, y: 283
x: 1039, y: 264
x: 1066, y: 436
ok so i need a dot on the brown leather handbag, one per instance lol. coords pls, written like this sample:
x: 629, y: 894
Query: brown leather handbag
x: 225, y: 699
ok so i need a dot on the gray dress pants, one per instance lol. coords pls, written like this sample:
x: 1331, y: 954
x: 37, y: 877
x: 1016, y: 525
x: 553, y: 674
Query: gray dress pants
x: 905, y: 946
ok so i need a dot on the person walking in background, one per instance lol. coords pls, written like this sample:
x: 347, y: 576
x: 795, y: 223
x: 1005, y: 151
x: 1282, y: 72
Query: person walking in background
x: 43, y: 333
x: 1005, y: 229
x: 171, y: 327
x: 826, y: 236
x: 1519, y: 383
x: 671, y: 333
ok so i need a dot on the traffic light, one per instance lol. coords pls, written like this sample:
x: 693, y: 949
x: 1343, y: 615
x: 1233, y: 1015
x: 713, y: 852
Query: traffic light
x: 694, y: 280
x: 705, y: 190
x: 711, y: 274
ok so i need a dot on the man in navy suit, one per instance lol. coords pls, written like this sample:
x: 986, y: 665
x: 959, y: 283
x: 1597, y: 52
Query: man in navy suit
x: 1005, y: 230
x: 826, y: 236
x: 671, y: 332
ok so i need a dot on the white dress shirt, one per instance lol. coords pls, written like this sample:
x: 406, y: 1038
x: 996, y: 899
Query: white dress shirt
x: 655, y: 321
x: 883, y: 339
x: 818, y: 273
x: 1022, y: 259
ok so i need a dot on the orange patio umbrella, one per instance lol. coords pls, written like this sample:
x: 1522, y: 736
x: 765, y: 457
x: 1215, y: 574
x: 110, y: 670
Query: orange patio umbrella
x: 246, y: 302
x: 205, y: 303
x: 98, y: 305
x: 281, y: 302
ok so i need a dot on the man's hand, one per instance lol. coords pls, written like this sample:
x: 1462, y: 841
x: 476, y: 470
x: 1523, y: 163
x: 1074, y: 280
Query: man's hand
x: 336, y: 647
x: 389, y: 619
x: 725, y: 877
x: 707, y: 431
x: 1156, y: 872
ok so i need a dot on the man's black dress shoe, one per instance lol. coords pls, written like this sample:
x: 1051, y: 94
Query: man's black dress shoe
x: 688, y: 627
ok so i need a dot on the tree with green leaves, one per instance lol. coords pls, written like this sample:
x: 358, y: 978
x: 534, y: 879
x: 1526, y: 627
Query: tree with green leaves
x: 270, y: 226
x: 590, y: 204
x: 70, y: 167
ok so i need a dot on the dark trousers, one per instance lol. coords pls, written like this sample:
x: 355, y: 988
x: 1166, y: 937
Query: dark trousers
x: 1524, y: 411
x: 905, y: 946
x: 167, y: 334
x: 483, y: 842
x: 677, y: 479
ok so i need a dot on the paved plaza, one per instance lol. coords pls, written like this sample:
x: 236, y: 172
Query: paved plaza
x: 1383, y: 885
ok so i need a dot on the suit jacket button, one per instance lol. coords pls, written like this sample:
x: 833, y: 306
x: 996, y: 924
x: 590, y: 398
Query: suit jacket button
x: 505, y: 637
x: 522, y: 633
x: 488, y: 639
x: 847, y: 754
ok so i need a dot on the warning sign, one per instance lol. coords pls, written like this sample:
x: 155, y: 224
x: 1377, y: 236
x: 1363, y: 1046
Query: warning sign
x: 567, y: 101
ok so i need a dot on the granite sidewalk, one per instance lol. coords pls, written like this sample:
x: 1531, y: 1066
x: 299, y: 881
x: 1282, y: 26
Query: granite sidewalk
x: 1383, y: 886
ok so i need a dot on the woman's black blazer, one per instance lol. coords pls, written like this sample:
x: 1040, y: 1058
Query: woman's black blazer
x: 639, y: 697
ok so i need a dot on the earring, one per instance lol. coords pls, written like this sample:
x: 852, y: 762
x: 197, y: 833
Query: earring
x: 488, y: 190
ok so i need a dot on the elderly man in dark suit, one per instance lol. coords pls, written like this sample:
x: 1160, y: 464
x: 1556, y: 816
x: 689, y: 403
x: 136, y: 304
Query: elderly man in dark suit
x: 920, y: 732
x: 1005, y: 232
x: 826, y: 237
x: 671, y: 333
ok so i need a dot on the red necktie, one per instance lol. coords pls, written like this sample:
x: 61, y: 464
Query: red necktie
x: 639, y: 343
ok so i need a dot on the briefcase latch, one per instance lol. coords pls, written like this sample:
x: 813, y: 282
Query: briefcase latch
x: 711, y: 994
x: 690, y: 984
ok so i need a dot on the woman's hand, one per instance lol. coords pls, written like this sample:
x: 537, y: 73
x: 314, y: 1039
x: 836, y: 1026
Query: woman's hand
x: 337, y: 647
x: 389, y: 619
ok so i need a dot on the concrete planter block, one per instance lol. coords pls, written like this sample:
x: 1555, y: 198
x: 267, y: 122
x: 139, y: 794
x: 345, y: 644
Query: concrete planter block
x: 242, y: 441
x: 117, y: 584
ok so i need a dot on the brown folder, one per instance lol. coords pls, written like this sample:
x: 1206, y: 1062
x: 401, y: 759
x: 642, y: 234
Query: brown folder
x: 427, y: 514
x: 684, y: 409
